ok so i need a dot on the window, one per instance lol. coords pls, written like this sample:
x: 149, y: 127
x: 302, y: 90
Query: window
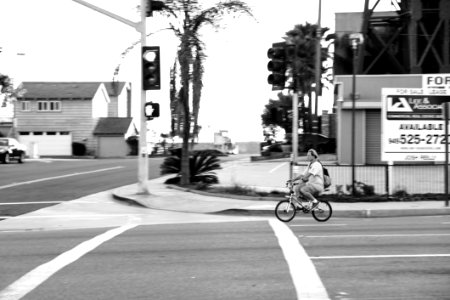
x: 49, y: 105
x: 25, y: 105
x: 24, y: 133
x: 51, y: 133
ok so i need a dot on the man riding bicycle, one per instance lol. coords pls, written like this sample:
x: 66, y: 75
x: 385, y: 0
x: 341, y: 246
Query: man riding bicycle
x: 311, y: 180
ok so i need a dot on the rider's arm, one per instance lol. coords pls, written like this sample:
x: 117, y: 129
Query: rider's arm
x: 304, y: 176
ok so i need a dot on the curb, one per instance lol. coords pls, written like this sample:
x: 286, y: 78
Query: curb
x: 364, y: 213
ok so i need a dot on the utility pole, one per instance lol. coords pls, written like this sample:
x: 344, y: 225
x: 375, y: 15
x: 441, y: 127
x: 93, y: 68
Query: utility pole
x: 140, y: 27
x: 318, y: 59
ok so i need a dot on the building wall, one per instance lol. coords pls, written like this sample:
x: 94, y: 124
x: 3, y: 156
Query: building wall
x: 75, y: 117
x: 120, y: 105
x: 368, y: 91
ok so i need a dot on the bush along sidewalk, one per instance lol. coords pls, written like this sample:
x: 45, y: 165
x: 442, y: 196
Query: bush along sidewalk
x: 238, y: 190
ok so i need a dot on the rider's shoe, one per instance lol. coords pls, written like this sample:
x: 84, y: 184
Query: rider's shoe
x: 314, y: 205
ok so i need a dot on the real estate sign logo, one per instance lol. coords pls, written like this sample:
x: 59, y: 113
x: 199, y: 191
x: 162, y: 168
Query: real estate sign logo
x: 403, y: 107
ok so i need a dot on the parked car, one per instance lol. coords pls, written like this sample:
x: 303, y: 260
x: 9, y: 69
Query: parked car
x: 320, y: 142
x: 215, y: 152
x: 267, y: 149
x: 11, y: 149
x: 317, y: 141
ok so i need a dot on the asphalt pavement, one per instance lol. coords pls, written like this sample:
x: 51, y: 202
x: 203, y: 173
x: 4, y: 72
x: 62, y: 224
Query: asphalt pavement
x: 170, y: 198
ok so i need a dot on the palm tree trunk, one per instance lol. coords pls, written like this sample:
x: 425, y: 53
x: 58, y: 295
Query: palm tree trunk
x: 184, y: 56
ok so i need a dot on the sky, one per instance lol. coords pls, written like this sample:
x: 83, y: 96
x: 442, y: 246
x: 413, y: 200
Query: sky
x: 61, y: 40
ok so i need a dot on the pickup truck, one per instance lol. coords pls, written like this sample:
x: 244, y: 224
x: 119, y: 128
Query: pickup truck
x: 11, y: 149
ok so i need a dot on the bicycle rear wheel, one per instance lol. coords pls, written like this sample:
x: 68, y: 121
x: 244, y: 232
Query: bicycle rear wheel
x: 285, y: 211
x: 322, y: 212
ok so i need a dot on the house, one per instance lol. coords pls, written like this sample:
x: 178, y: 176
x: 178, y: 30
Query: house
x: 53, y: 115
x: 111, y: 133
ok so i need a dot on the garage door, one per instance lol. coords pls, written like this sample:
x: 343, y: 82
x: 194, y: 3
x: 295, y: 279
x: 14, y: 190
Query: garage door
x: 112, y: 147
x: 47, y: 143
x: 373, y: 137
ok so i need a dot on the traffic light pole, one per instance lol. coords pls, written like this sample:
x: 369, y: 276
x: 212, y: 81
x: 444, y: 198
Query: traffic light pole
x: 142, y: 152
x: 294, y: 113
x: 294, y: 127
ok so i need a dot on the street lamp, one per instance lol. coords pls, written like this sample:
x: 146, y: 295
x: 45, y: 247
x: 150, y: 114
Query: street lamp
x: 356, y: 39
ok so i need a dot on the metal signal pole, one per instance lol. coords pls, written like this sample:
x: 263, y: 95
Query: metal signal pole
x: 141, y: 27
x: 142, y: 153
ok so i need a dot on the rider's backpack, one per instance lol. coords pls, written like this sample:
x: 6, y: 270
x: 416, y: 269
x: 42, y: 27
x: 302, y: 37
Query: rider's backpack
x: 326, y: 177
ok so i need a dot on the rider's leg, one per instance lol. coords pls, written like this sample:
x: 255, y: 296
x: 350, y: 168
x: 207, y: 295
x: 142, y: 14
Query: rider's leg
x: 297, y: 189
x: 308, y: 192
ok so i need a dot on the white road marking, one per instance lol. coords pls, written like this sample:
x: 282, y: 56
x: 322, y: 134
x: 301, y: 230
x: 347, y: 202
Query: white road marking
x: 306, y: 281
x: 21, y: 203
x: 277, y: 167
x: 72, y: 216
x: 316, y: 225
x: 375, y: 235
x: 381, y: 256
x: 57, y: 177
x: 37, y: 276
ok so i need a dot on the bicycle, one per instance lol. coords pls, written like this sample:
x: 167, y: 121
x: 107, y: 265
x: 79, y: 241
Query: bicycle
x: 286, y: 210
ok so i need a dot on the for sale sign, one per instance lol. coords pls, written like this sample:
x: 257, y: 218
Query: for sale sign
x: 412, y: 125
x: 436, y: 81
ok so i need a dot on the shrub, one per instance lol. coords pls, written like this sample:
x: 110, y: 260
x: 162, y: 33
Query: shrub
x: 78, y: 149
x: 133, y: 143
x: 201, y: 167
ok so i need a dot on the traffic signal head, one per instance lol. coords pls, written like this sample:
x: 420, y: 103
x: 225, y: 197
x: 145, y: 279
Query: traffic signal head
x: 151, y: 110
x: 277, y: 65
x: 151, y: 73
x: 153, y: 6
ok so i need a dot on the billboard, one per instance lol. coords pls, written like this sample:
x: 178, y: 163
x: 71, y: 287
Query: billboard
x: 412, y: 125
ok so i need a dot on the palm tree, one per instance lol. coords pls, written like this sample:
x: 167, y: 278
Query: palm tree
x: 186, y: 18
x: 190, y: 19
x: 303, y: 37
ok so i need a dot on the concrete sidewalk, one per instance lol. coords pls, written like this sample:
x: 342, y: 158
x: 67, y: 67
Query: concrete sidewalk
x: 163, y: 197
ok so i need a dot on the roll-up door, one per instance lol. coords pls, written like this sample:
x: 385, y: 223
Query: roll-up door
x: 373, y: 137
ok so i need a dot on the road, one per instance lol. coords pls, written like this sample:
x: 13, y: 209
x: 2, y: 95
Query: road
x: 40, y: 183
x: 233, y: 258
x: 148, y: 254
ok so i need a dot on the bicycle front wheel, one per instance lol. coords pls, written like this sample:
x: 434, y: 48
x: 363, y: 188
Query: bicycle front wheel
x: 322, y: 212
x: 285, y: 211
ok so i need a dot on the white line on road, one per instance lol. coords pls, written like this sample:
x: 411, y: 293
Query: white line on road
x: 315, y: 225
x: 70, y: 216
x: 381, y: 256
x: 375, y: 235
x: 20, y: 203
x: 37, y: 276
x: 306, y: 281
x: 277, y: 167
x: 57, y: 177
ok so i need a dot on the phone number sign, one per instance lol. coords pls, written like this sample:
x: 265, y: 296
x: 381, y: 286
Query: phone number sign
x: 412, y: 126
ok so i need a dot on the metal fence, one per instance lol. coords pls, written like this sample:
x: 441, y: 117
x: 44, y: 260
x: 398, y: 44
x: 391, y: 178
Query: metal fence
x: 412, y: 179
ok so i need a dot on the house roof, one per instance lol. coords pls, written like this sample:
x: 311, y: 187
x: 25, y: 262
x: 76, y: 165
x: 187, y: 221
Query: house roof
x: 114, y: 88
x: 112, y: 126
x: 68, y: 90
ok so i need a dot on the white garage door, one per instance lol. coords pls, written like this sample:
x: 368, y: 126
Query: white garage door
x: 47, y: 143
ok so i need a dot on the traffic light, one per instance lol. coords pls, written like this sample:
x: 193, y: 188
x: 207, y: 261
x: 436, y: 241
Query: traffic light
x: 151, y: 110
x: 151, y: 73
x: 277, y: 65
x: 153, y: 6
